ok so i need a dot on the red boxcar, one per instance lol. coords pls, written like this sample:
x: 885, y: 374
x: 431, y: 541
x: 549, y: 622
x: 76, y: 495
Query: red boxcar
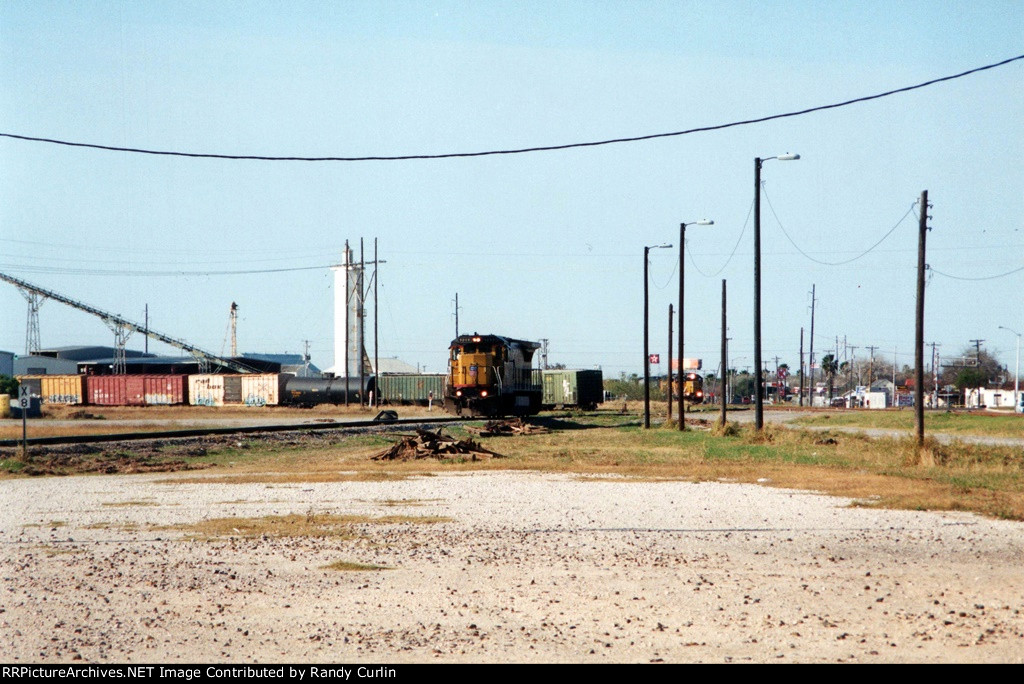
x: 135, y: 390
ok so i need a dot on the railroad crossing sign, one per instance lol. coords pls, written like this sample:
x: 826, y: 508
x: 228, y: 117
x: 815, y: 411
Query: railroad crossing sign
x: 24, y: 398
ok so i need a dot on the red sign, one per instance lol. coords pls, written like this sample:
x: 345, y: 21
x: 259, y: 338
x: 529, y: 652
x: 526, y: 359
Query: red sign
x: 654, y: 358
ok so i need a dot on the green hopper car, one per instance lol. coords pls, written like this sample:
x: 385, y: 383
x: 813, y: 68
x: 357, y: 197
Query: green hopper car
x: 411, y: 388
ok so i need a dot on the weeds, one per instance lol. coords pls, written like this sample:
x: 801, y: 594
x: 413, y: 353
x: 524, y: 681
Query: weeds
x: 309, y: 524
x: 349, y: 566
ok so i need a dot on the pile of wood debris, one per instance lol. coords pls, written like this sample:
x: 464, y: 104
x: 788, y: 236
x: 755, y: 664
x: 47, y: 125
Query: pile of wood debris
x: 426, y: 444
x: 512, y: 426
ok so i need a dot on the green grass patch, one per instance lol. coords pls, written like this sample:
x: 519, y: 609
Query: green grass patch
x: 955, y: 422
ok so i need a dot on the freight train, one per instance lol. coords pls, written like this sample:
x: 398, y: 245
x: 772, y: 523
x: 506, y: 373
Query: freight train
x: 488, y: 375
x: 583, y: 389
x: 251, y: 389
x: 693, y: 388
x: 491, y: 375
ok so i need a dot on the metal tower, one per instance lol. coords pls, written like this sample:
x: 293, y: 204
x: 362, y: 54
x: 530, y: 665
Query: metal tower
x: 32, y: 338
x: 122, y: 328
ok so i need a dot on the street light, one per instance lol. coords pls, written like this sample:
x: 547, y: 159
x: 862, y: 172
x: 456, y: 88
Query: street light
x: 682, y: 265
x: 647, y: 357
x: 1016, y: 371
x: 758, y: 401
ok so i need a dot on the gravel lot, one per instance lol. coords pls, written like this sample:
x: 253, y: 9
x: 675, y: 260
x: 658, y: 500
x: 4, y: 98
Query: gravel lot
x: 532, y: 567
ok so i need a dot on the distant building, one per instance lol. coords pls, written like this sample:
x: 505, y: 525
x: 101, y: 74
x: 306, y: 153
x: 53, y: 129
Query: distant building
x: 87, y: 353
x: 981, y: 397
x: 862, y: 397
x: 295, y: 364
x: 387, y: 365
x: 43, y: 365
x: 169, y: 365
x: 6, y: 363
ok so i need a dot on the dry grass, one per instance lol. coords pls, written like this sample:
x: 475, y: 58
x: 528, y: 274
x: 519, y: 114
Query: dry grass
x: 320, y: 525
x: 303, y: 476
x: 127, y: 504
x: 52, y: 551
x: 111, y: 419
x: 392, y: 503
x: 954, y: 422
x: 884, y: 472
x: 349, y: 566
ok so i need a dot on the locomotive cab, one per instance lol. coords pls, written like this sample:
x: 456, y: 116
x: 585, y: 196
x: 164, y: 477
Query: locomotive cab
x: 490, y: 375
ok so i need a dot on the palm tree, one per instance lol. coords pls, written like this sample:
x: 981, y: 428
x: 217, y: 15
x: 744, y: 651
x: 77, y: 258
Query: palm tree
x: 830, y: 366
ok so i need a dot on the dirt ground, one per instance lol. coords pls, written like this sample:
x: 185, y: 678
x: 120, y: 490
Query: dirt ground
x: 524, y: 567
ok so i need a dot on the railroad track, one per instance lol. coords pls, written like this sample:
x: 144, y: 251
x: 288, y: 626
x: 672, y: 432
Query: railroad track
x: 204, y: 432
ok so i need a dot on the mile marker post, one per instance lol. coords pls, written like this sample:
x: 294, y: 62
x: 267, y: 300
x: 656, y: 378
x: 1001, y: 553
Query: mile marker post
x: 24, y: 401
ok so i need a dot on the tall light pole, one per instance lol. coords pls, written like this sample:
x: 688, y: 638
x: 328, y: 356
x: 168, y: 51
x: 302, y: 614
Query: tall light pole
x: 682, y: 309
x: 1017, y: 369
x: 758, y: 401
x: 647, y: 356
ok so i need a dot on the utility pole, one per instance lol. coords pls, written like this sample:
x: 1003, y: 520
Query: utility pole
x: 810, y: 359
x: 456, y: 314
x: 728, y: 386
x: 977, y: 352
x: 935, y: 375
x: 801, y: 366
x: 871, y: 365
x: 775, y: 381
x: 362, y: 326
x: 348, y: 322
x: 922, y: 231
x: 376, y: 358
x: 894, y: 375
x: 233, y: 317
x: 647, y: 354
x: 853, y: 362
x: 146, y: 337
x: 670, y: 372
x: 725, y: 357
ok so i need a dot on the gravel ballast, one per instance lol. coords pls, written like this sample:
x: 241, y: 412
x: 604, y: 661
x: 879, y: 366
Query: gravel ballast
x: 528, y: 567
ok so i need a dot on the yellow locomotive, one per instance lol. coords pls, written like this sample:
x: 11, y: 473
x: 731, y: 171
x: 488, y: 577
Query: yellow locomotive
x: 693, y: 388
x: 490, y: 375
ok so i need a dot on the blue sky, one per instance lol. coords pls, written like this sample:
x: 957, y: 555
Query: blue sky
x: 542, y: 245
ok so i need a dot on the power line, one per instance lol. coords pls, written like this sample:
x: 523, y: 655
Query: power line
x: 113, y: 272
x: 837, y: 263
x: 991, y: 277
x: 734, y: 248
x: 522, y: 150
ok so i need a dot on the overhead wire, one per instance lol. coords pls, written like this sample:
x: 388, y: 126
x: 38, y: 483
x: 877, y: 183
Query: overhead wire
x: 675, y: 267
x: 835, y: 263
x: 734, y: 247
x: 522, y: 150
x: 62, y: 270
x: 991, y: 277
